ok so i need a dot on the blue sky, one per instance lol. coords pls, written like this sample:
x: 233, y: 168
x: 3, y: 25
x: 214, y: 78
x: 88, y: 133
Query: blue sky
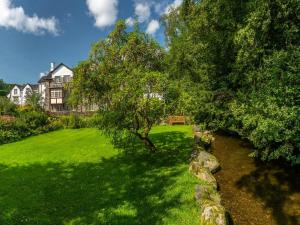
x: 34, y: 33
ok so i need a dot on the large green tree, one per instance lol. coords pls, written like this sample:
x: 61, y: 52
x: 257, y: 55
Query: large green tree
x: 243, y: 58
x: 125, y: 76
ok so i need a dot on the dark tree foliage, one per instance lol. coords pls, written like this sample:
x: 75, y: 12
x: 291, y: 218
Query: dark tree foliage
x: 243, y: 57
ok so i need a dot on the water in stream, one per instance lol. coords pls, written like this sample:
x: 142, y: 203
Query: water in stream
x: 256, y: 193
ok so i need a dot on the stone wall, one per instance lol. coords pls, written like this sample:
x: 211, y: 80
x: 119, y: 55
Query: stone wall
x: 203, y: 165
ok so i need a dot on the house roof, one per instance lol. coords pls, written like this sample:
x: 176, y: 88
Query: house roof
x: 34, y: 86
x: 49, y: 75
x: 22, y: 86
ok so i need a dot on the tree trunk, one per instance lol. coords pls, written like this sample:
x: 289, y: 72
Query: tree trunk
x: 147, y: 142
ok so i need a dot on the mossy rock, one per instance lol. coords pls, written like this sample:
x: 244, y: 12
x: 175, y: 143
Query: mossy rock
x: 212, y: 213
x: 204, y: 139
x: 203, y: 174
x: 206, y: 192
x: 208, y: 161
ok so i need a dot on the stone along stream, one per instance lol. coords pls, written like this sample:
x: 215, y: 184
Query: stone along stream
x: 255, y: 193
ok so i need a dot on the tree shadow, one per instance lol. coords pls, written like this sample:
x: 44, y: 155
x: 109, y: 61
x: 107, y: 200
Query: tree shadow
x: 278, y: 188
x: 125, y: 189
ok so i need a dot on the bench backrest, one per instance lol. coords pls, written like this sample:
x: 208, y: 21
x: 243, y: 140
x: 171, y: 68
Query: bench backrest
x: 176, y: 119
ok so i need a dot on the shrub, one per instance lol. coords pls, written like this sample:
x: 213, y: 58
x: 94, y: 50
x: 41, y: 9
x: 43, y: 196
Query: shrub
x: 7, y: 107
x: 34, y: 119
x: 28, y: 123
x: 10, y: 132
x: 73, y: 121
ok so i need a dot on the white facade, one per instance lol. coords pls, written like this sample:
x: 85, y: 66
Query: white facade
x: 52, y: 87
x: 63, y: 72
x: 19, y: 93
x: 42, y: 92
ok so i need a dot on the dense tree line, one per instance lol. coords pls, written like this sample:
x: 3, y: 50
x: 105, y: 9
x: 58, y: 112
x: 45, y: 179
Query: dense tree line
x: 246, y: 56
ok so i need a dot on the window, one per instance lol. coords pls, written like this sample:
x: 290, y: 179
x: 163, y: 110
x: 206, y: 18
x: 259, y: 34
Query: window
x: 56, y: 94
x: 57, y: 79
x: 15, y: 91
x: 66, y: 78
x: 27, y: 91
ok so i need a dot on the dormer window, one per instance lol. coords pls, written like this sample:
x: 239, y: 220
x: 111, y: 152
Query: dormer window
x: 57, y: 79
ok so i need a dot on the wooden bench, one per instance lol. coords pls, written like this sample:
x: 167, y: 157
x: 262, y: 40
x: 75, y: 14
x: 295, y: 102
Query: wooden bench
x: 176, y: 120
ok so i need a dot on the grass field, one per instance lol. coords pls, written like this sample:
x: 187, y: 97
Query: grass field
x: 76, y: 177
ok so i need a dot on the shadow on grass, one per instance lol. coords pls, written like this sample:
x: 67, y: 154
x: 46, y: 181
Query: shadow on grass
x: 125, y: 189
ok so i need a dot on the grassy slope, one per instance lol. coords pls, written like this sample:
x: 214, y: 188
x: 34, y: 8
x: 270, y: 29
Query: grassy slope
x: 77, y: 177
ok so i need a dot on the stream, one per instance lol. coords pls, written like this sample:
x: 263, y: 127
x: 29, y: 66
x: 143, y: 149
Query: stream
x: 252, y: 192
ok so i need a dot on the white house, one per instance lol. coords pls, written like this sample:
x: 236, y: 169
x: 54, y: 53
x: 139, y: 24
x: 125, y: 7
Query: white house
x: 53, y: 91
x: 19, y: 93
x: 52, y: 87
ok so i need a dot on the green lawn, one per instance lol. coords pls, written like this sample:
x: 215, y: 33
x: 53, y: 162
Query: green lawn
x: 77, y: 177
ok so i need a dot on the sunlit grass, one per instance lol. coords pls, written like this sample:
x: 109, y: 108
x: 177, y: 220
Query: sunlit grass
x: 78, y: 177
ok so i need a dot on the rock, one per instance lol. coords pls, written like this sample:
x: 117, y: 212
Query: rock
x: 207, y: 192
x: 195, y: 167
x: 203, y: 174
x: 208, y: 161
x: 212, y: 213
x: 198, y: 148
x: 203, y: 138
x: 196, y: 128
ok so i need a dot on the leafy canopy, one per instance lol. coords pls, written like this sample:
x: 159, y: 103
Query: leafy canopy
x: 125, y: 76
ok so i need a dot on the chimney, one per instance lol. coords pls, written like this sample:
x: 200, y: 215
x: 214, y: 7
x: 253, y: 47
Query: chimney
x: 42, y: 74
x: 52, y: 65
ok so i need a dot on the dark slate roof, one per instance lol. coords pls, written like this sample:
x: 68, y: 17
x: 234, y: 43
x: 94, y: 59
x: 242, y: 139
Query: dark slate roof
x: 49, y: 75
x: 34, y: 87
x: 22, y: 86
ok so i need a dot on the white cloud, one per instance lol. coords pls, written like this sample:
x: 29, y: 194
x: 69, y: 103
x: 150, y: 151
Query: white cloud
x: 153, y: 26
x: 105, y: 12
x: 129, y: 21
x: 15, y: 17
x: 173, y: 5
x: 142, y: 11
x: 159, y: 7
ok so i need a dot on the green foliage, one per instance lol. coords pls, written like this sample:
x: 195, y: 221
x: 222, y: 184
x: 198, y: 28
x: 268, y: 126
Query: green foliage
x: 4, y: 88
x: 27, y: 123
x: 73, y: 121
x: 245, y: 56
x: 33, y: 100
x: 125, y: 76
x: 269, y: 26
x: 270, y: 114
x: 34, y: 119
x: 7, y: 107
x: 76, y: 121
